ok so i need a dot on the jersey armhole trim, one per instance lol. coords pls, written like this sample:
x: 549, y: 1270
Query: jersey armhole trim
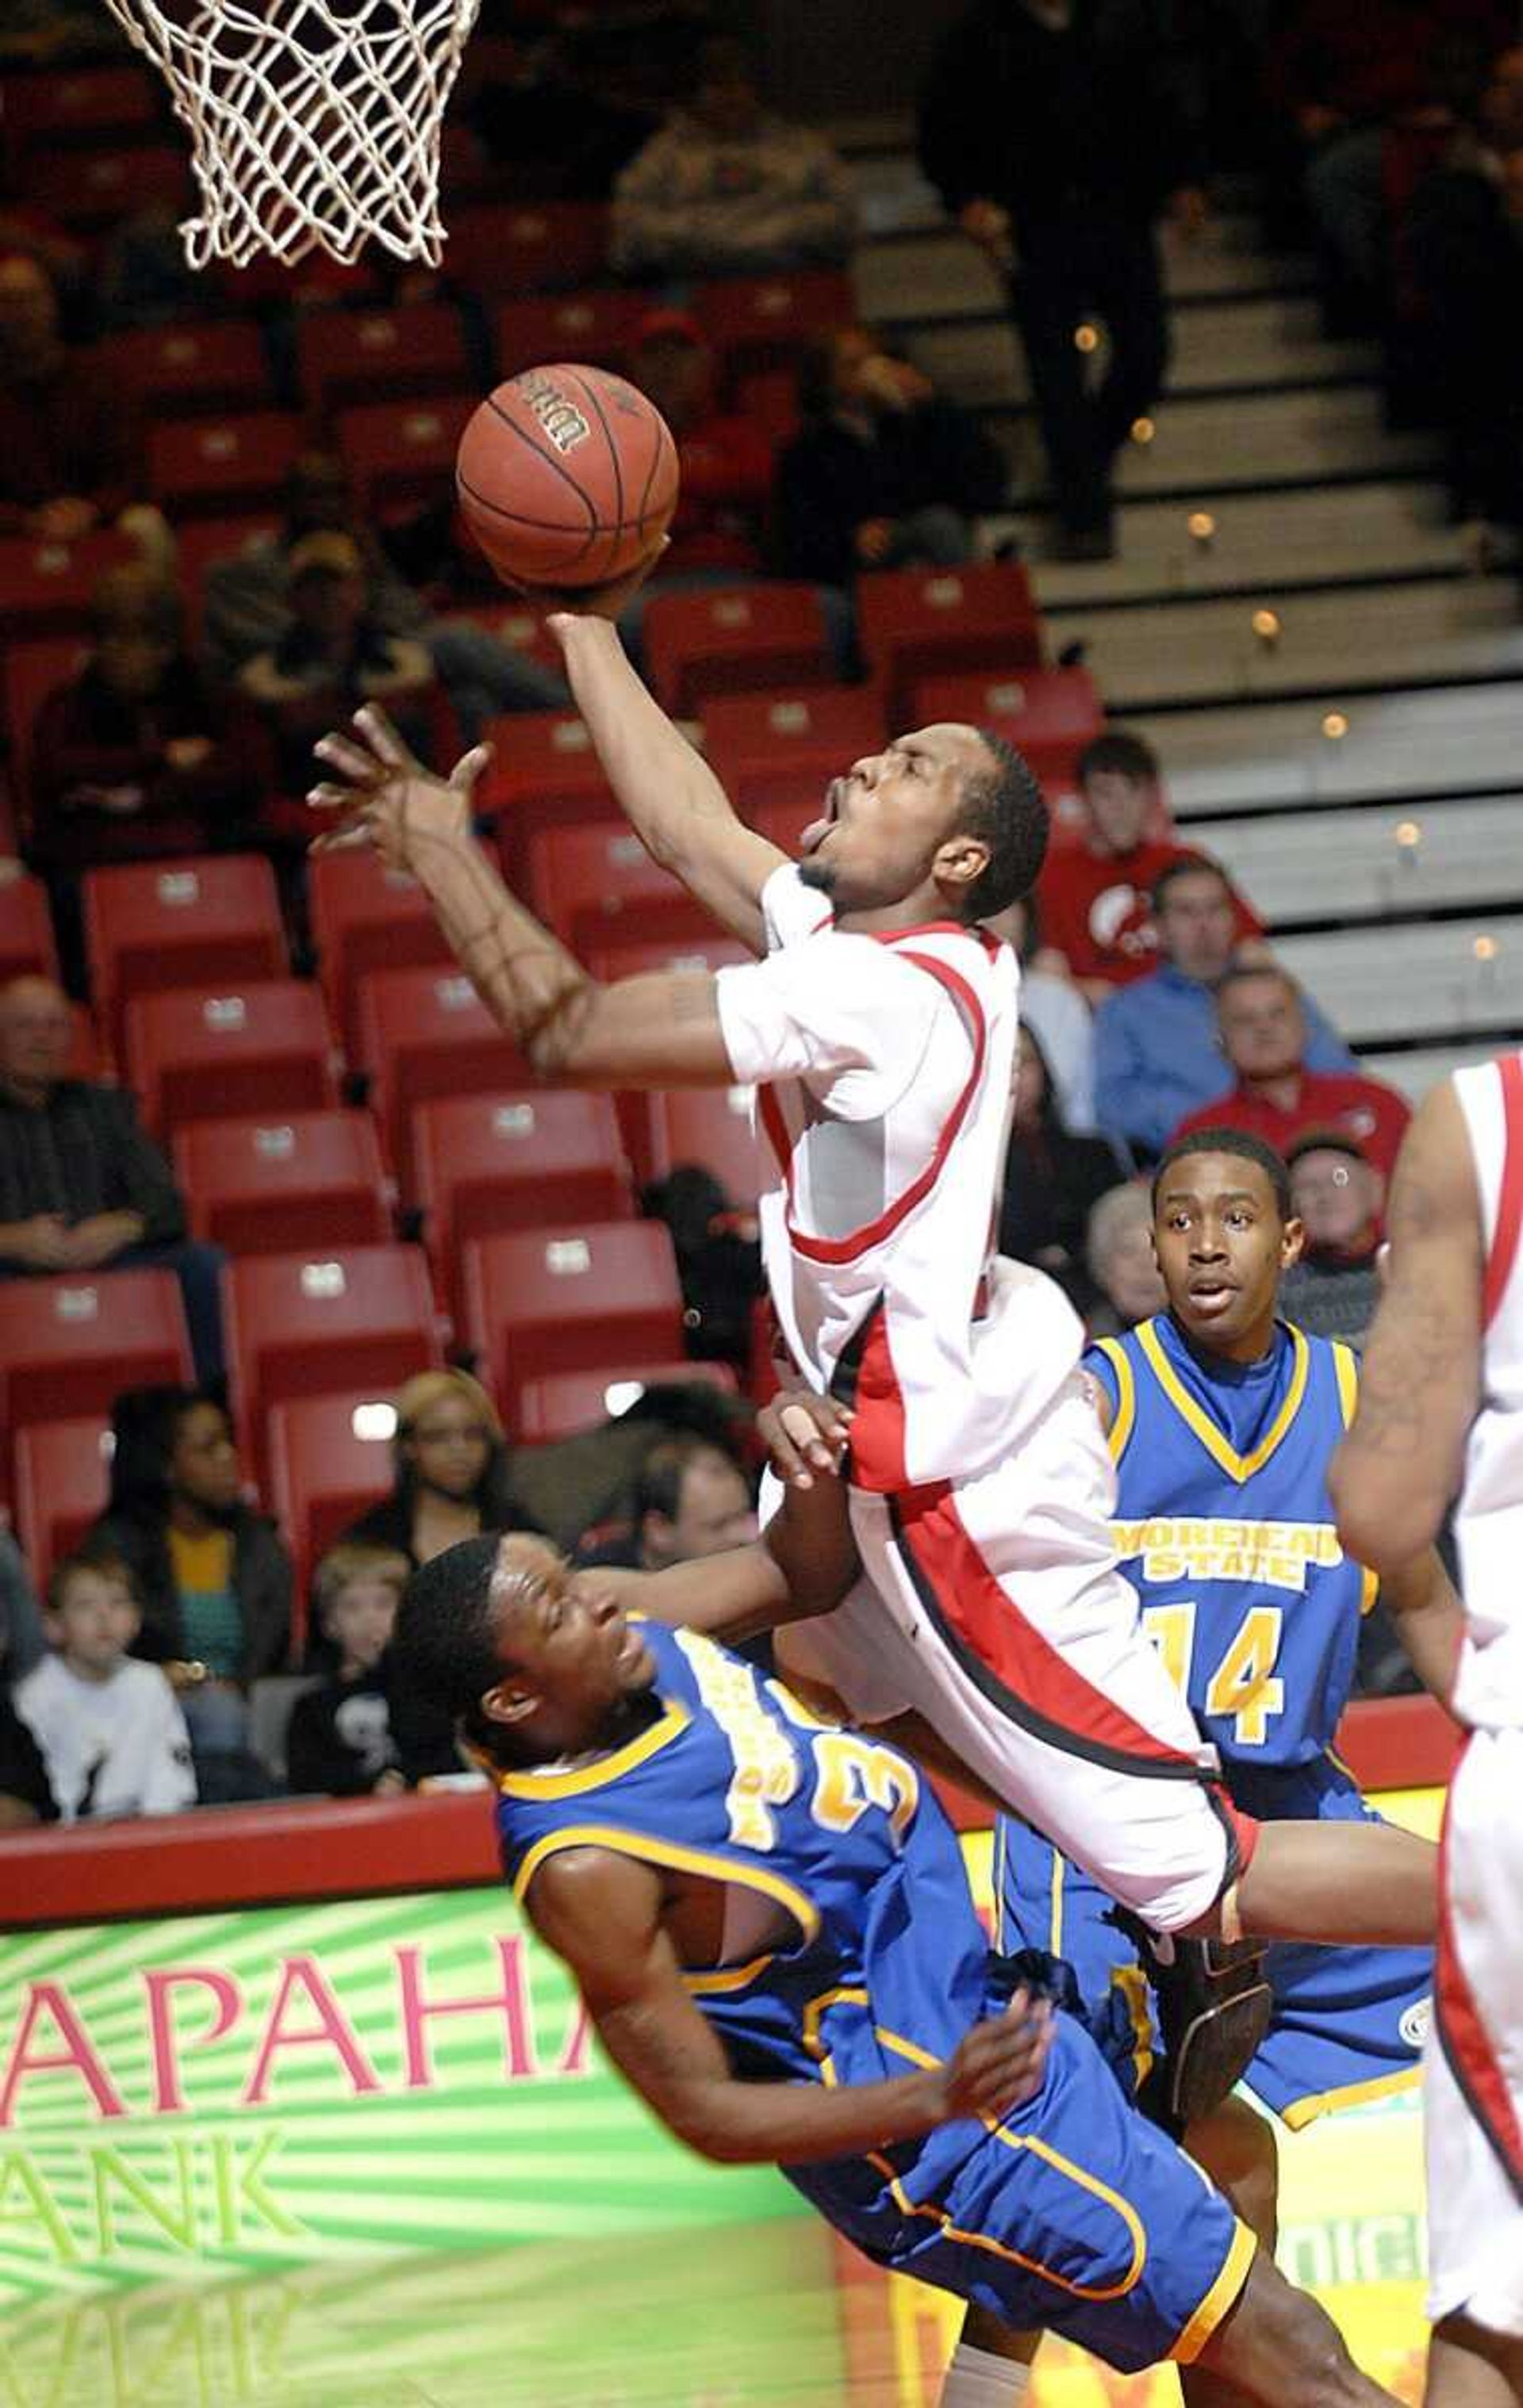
x: 1126, y: 1403
x: 648, y: 1850
x: 531, y: 1786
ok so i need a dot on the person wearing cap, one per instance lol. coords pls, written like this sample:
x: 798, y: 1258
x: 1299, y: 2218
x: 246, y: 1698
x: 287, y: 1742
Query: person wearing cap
x: 1339, y: 1196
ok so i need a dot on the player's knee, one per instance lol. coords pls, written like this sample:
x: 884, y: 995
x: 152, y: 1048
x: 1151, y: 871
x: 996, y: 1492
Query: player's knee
x: 1238, y: 2149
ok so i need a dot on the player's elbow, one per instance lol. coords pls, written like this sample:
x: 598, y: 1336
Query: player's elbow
x: 711, y: 2134
x: 1383, y: 1525
x: 556, y: 1045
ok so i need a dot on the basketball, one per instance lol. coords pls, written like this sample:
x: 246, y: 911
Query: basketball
x: 565, y: 477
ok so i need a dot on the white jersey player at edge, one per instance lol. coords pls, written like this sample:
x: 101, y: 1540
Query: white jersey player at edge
x: 882, y: 1023
x: 1441, y: 1416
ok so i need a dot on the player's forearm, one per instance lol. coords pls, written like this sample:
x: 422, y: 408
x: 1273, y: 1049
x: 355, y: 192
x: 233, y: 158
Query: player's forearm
x: 1430, y: 1621
x: 731, y: 1595
x: 797, y: 2123
x: 523, y: 973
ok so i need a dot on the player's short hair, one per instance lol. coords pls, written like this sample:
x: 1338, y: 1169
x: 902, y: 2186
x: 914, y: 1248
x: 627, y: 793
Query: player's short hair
x: 1002, y: 806
x: 1188, y: 865
x: 97, y: 1556
x: 1242, y: 1146
x: 444, y: 1648
x: 1121, y: 754
x: 353, y: 1560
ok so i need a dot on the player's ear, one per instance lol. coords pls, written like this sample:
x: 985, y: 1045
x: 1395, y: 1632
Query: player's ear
x: 509, y: 1701
x: 1292, y: 1240
x: 960, y: 862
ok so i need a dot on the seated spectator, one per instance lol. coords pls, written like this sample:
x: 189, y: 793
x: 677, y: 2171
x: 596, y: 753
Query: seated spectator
x: 110, y: 1729
x: 338, y: 1742
x: 726, y: 189
x: 20, y: 1624
x: 212, y: 1575
x: 691, y: 1499
x: 67, y: 440
x: 1055, y: 1012
x: 1097, y: 910
x: 82, y: 1189
x: 1052, y: 1179
x: 1338, y: 1196
x: 725, y: 458
x: 1278, y: 1096
x: 1122, y: 1266
x: 450, y: 1471
x: 885, y: 471
x: 133, y: 758
x: 1157, y: 1054
x: 25, y: 1796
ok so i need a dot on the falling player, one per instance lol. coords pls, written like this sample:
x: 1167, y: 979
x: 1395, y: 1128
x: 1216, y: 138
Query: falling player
x: 1441, y: 1415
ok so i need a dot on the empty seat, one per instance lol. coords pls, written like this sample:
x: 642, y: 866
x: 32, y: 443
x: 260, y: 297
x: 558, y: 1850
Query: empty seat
x: 349, y: 355
x: 1034, y: 708
x: 45, y: 582
x: 919, y: 622
x: 765, y: 747
x: 710, y: 1126
x: 90, y: 189
x: 596, y: 326
x: 208, y: 1054
x: 425, y: 1033
x: 366, y: 917
x: 310, y: 1325
x: 529, y: 247
x: 737, y: 640
x: 597, y: 883
x: 573, y: 1298
x: 26, y: 929
x: 764, y: 322
x: 566, y: 1402
x: 69, y: 1345
x: 399, y: 451
x: 208, y: 367
x: 267, y: 1185
x: 327, y: 1459
x: 54, y: 107
x: 63, y: 1471
x: 151, y: 925
x: 517, y: 1161
x: 209, y: 467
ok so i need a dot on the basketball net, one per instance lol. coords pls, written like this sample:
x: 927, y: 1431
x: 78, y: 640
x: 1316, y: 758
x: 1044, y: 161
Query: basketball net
x: 315, y: 122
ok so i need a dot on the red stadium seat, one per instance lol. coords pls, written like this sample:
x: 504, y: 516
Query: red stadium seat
x: 200, y: 542
x: 711, y: 1127
x: 529, y: 247
x: 87, y: 1059
x: 764, y: 322
x: 90, y: 189
x: 206, y: 468
x: 352, y: 355
x: 62, y: 1470
x: 517, y: 1161
x: 425, y: 1033
x: 400, y: 451
x: 768, y: 398
x: 152, y: 925
x: 56, y: 107
x: 919, y: 622
x: 741, y: 640
x: 213, y: 1053
x: 46, y: 584
x: 305, y: 1325
x: 543, y: 774
x: 28, y: 675
x: 573, y: 1298
x: 633, y: 959
x: 328, y: 1458
x: 69, y: 1345
x: 568, y: 1401
x: 594, y: 326
x: 367, y: 917
x: 766, y: 747
x: 209, y: 367
x: 594, y: 883
x: 26, y: 929
x: 1032, y: 706
x: 269, y: 1186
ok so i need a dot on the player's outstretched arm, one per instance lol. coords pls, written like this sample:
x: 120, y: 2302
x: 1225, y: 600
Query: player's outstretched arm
x: 1429, y: 1620
x: 601, y: 1913
x: 1394, y: 1474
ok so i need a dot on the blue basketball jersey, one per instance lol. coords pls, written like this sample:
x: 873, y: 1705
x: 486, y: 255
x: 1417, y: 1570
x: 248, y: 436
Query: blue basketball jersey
x: 1225, y: 1531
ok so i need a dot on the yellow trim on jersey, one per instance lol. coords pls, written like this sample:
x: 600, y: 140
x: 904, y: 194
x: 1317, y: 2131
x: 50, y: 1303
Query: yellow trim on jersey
x: 1353, y: 2094
x: 550, y: 1784
x: 682, y: 1860
x: 998, y: 1885
x: 1131, y: 1981
x: 1126, y: 1402
x: 1054, y: 1928
x: 1237, y: 1467
x: 727, y: 1977
x: 1222, y: 2296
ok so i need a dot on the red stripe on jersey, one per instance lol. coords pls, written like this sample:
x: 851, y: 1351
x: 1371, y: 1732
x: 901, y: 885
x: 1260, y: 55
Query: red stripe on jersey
x: 1504, y: 1254
x: 990, y: 1623
x: 1467, y: 2043
x: 878, y: 1415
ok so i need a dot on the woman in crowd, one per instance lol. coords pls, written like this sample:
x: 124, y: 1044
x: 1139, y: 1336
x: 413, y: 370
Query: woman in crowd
x: 1051, y: 1178
x: 450, y: 1471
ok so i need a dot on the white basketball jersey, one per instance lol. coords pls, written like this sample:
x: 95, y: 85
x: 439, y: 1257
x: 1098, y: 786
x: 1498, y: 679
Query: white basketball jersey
x: 1488, y: 1523
x: 883, y: 1070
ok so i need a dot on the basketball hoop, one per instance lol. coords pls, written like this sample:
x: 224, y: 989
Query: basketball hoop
x: 315, y: 122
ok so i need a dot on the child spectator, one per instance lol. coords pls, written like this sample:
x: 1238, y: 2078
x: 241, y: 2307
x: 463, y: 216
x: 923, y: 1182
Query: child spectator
x: 111, y: 1733
x: 340, y: 1741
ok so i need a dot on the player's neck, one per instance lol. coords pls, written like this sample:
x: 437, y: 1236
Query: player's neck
x: 1252, y: 1346
x: 917, y: 911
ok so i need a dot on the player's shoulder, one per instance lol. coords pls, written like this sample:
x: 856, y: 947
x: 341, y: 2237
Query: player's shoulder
x: 792, y: 911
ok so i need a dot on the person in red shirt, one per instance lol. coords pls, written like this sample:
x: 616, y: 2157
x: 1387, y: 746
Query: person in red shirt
x: 725, y: 458
x: 1093, y: 897
x: 1263, y: 1036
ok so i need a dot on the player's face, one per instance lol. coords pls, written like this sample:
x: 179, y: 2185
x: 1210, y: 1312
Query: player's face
x: 570, y: 1657
x: 1221, y: 1246
x: 889, y: 821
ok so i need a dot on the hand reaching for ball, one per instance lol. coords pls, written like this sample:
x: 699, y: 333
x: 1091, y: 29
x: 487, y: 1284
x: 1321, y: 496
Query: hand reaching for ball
x: 384, y: 796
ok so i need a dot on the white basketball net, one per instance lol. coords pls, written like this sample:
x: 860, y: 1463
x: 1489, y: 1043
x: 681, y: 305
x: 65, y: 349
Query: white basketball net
x: 315, y: 122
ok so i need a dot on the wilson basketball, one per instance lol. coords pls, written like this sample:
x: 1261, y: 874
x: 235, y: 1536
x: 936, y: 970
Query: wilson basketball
x: 566, y: 476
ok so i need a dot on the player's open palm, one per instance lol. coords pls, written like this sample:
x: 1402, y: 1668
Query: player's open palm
x: 384, y: 796
x: 999, y: 2065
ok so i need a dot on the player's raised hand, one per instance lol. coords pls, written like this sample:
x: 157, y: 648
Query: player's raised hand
x: 804, y: 1434
x: 999, y: 2065
x: 572, y: 603
x: 384, y: 796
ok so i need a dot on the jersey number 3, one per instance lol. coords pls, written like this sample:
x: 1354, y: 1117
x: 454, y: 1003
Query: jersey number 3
x: 1243, y: 1684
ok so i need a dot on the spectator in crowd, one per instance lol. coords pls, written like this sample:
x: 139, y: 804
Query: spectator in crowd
x: 248, y: 606
x: 25, y: 1796
x: 1338, y: 1196
x: 1122, y: 1264
x: 338, y: 1742
x: 20, y: 1624
x: 133, y: 758
x: 1262, y: 1019
x: 82, y: 1190
x: 212, y: 1575
x: 885, y: 471
x: 725, y: 188
x: 1052, y: 1178
x: 1057, y: 135
x: 1157, y: 1052
x: 691, y: 1499
x: 450, y: 1471
x: 1055, y: 1012
x: 725, y: 457
x: 66, y: 437
x: 1097, y: 896
x: 111, y: 1729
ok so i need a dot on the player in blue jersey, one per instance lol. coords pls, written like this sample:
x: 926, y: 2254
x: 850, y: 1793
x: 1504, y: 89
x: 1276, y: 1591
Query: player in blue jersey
x: 770, y: 1922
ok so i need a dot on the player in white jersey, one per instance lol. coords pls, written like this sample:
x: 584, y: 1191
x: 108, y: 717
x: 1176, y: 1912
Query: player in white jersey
x: 1441, y: 1416
x: 883, y: 1023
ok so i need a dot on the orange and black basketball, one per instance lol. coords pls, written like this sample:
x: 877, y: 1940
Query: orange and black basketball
x: 565, y: 477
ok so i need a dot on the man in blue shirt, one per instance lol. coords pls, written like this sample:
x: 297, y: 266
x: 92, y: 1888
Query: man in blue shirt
x: 1156, y: 1052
